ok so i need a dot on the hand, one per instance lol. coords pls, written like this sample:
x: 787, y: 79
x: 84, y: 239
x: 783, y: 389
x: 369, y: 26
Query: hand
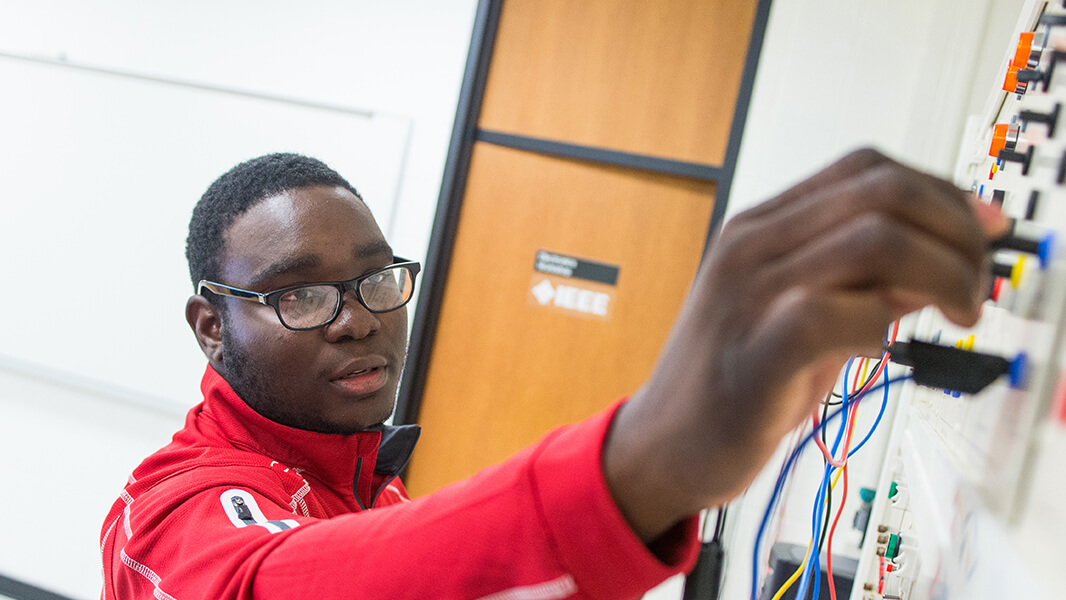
x: 787, y: 292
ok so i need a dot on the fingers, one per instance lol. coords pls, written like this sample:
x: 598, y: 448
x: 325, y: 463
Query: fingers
x: 855, y: 162
x: 789, y: 362
x: 867, y: 223
x: 993, y: 221
x: 873, y: 252
x: 788, y: 290
x: 886, y: 188
x: 803, y: 327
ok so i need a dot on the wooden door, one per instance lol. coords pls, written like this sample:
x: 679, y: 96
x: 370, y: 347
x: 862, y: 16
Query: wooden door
x: 569, y: 249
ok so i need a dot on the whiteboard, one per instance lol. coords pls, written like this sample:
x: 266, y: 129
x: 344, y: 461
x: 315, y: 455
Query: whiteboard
x: 100, y: 173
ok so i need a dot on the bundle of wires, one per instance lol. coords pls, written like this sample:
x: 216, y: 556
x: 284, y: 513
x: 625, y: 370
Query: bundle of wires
x: 834, y: 469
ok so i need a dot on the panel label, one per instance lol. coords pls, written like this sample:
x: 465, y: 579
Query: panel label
x: 576, y: 268
x: 563, y: 295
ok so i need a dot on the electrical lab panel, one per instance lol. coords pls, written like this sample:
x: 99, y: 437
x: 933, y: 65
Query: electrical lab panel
x: 960, y: 510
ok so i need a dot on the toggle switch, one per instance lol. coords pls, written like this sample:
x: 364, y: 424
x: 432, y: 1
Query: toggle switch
x: 1004, y: 136
x: 1025, y: 57
x: 1010, y: 81
x: 1024, y: 50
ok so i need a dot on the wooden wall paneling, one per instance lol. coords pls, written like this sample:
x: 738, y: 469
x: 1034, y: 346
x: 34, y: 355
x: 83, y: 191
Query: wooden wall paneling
x: 505, y: 369
x: 658, y: 78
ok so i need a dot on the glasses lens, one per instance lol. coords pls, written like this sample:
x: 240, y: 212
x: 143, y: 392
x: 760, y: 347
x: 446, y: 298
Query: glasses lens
x: 388, y: 290
x: 308, y: 306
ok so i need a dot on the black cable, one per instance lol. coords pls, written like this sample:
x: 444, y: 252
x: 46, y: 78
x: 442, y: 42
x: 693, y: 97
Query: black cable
x: 873, y: 372
x: 719, y: 524
x: 705, y: 580
x: 825, y: 440
x: 828, y: 489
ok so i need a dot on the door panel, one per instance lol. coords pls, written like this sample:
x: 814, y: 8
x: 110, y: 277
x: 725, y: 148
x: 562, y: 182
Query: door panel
x: 658, y: 78
x: 505, y: 367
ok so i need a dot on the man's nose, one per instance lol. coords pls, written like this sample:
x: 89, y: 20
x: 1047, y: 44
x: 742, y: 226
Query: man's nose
x: 353, y: 321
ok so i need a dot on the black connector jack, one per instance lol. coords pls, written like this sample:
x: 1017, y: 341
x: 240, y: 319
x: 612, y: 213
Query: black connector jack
x: 953, y: 368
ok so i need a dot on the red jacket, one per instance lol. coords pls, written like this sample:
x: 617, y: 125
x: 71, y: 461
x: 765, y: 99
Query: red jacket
x: 237, y: 506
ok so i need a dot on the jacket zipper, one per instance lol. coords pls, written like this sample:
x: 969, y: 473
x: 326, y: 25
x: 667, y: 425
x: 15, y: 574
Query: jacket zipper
x: 355, y: 482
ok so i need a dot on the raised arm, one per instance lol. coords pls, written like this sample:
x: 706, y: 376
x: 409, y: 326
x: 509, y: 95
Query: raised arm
x: 786, y: 293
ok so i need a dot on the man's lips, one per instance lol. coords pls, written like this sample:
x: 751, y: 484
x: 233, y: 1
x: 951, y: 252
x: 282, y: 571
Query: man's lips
x: 363, y: 382
x: 362, y: 376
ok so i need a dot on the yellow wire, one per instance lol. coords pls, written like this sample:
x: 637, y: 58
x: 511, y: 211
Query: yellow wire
x: 788, y: 582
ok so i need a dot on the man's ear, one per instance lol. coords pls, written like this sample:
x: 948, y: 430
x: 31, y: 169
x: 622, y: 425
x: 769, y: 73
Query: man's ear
x: 206, y: 322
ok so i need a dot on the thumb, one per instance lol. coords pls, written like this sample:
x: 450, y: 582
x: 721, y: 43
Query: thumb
x: 993, y: 221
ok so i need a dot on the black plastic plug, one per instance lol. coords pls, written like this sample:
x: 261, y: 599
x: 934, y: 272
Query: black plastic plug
x: 953, y: 368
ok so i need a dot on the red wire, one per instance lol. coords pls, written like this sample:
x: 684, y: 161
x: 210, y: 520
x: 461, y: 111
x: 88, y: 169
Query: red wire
x: 844, y: 465
x: 829, y: 542
x: 821, y: 445
x: 851, y: 417
x: 858, y: 372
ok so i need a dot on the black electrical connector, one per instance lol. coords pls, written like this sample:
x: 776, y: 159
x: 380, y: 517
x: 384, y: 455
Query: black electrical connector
x: 1025, y: 158
x: 953, y: 368
x: 1034, y: 198
x: 998, y: 197
x: 1050, y: 119
x: 1012, y: 241
x: 705, y: 580
x: 1042, y: 248
x: 1043, y: 77
x: 1053, y: 20
x: 1031, y: 76
x: 1002, y: 270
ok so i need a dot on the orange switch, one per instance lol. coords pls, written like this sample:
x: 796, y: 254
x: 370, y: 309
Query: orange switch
x: 1002, y: 137
x: 1025, y: 47
x: 1023, y: 55
x: 1010, y: 82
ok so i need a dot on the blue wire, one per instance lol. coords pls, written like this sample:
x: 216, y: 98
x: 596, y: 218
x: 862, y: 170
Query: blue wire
x: 814, y: 565
x: 828, y: 472
x: 788, y: 467
x: 877, y: 421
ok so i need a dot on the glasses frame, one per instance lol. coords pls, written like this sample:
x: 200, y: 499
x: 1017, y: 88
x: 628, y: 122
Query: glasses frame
x: 272, y: 298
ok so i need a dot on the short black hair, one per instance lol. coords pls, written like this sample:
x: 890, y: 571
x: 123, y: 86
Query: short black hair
x: 239, y: 189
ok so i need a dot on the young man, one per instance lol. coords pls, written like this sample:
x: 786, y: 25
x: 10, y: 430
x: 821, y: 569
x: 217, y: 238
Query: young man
x: 282, y: 483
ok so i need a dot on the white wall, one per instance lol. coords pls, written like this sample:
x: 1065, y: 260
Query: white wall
x: 101, y: 170
x: 836, y: 75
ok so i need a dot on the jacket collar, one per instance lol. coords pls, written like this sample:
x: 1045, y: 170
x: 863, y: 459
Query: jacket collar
x: 332, y: 458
